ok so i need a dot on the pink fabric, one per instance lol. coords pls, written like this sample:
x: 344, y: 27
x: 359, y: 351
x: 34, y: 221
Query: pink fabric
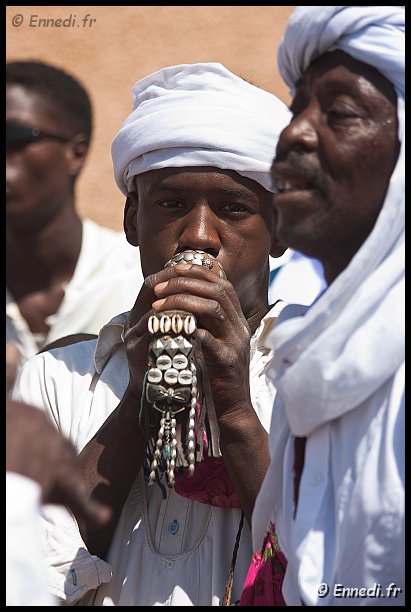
x: 264, y: 580
x: 210, y: 484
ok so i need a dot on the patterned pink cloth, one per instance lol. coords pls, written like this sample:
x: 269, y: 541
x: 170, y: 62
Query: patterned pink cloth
x: 264, y: 580
x: 210, y: 484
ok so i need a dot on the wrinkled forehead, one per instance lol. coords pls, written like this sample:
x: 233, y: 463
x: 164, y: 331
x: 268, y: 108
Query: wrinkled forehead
x: 340, y: 70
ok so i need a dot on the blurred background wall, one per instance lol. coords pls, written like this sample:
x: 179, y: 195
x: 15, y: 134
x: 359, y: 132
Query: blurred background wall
x: 108, y: 48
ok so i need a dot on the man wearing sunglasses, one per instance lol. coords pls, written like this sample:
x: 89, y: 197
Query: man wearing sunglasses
x: 63, y: 273
x: 20, y: 136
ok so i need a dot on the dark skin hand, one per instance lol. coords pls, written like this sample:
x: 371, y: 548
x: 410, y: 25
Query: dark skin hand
x: 225, y: 339
x: 37, y: 450
x: 118, y: 449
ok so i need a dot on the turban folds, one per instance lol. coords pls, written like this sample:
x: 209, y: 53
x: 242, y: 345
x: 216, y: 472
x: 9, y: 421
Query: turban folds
x: 374, y: 35
x: 198, y: 115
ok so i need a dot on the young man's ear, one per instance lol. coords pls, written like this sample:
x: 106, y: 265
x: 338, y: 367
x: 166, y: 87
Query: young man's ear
x: 277, y: 248
x: 130, y: 219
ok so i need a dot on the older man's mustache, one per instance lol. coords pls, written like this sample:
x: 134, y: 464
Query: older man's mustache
x: 304, y: 167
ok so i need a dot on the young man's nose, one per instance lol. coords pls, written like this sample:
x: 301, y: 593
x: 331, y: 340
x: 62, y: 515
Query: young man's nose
x: 200, y: 231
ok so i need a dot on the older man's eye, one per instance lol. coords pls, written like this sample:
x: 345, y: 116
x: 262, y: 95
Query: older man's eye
x: 340, y: 113
x: 342, y: 107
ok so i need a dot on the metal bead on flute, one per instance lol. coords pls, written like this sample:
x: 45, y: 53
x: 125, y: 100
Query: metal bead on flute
x: 177, y: 411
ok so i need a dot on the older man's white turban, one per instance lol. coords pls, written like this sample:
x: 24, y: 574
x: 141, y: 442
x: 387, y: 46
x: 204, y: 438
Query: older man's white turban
x: 371, y: 34
x: 351, y: 341
x: 199, y: 115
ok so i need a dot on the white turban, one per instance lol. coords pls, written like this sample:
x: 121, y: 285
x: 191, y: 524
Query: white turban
x: 199, y: 115
x: 374, y: 35
x: 352, y: 339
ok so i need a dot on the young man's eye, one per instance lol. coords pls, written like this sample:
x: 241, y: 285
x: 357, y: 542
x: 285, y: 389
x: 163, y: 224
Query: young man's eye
x: 170, y: 204
x: 235, y: 208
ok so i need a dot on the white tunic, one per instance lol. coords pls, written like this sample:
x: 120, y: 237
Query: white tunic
x: 26, y: 583
x: 164, y: 552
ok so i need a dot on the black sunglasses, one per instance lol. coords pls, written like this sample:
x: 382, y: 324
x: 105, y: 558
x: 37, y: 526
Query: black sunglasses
x: 21, y: 135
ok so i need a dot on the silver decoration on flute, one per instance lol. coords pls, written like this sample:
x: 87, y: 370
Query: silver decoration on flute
x: 200, y: 258
x: 177, y: 410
